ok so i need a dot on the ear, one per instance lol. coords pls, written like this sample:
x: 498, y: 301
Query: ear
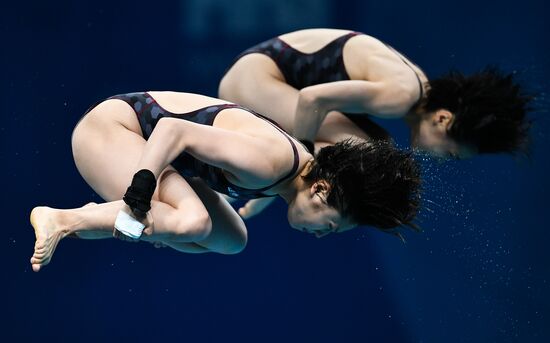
x: 320, y: 186
x: 442, y: 117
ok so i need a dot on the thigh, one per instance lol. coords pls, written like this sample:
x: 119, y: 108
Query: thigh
x: 255, y: 82
x: 107, y: 145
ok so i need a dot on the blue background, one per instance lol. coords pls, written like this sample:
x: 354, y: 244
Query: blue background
x: 478, y: 273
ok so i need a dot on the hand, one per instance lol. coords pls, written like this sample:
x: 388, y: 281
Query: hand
x: 255, y: 206
x: 149, y: 224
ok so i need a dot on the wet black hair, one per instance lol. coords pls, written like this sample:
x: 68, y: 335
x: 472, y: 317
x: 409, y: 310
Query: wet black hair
x: 373, y: 183
x: 489, y: 109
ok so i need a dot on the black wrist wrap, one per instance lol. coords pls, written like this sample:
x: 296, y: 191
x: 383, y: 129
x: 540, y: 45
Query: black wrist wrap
x: 309, y: 146
x: 138, y: 195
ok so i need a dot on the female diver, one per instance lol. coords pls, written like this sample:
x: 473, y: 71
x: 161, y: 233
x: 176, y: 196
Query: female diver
x: 321, y: 85
x: 181, y: 148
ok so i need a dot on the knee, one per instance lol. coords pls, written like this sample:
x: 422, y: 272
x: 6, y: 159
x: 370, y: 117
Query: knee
x: 192, y: 227
x: 227, y: 89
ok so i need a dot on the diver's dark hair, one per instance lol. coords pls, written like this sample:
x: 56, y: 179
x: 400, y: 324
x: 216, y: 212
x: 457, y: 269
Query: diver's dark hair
x: 374, y: 184
x: 489, y: 109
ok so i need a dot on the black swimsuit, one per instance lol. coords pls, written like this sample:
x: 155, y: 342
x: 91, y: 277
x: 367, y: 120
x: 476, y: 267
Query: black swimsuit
x: 301, y: 70
x: 149, y: 112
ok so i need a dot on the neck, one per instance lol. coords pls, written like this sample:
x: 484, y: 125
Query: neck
x: 413, y: 120
x: 289, y: 189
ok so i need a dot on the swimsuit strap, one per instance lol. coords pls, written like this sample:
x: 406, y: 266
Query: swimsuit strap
x: 338, y: 40
x: 414, y: 71
x: 295, y: 164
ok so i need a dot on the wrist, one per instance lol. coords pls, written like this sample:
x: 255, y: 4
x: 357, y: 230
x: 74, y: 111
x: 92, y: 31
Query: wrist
x: 138, y: 196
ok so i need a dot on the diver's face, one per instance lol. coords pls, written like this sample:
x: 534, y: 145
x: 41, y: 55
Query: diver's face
x: 310, y: 213
x: 433, y: 138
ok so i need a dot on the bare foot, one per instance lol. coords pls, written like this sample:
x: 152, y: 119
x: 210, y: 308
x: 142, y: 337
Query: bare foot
x: 48, y: 232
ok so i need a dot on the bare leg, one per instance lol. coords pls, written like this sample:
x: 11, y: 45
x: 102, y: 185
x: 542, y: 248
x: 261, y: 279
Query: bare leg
x: 256, y: 82
x: 191, y: 248
x: 228, y: 234
x: 186, y: 247
x: 91, y: 234
x: 52, y: 225
x: 227, y: 227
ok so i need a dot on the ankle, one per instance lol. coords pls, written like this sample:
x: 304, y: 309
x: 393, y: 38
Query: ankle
x: 67, y: 221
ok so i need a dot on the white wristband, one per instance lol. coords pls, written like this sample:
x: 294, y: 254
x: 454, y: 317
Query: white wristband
x: 128, y: 225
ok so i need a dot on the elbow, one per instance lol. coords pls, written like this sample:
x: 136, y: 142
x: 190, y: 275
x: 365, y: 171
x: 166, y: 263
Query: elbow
x: 309, y: 99
x: 236, y: 243
x: 164, y: 124
x: 170, y: 129
x: 398, y: 101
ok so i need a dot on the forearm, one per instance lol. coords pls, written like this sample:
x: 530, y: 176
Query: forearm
x: 255, y: 206
x: 308, y: 116
x: 387, y: 100
x: 163, y: 146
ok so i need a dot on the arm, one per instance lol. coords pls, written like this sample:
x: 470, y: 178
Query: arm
x: 255, y: 206
x: 242, y: 155
x: 354, y: 96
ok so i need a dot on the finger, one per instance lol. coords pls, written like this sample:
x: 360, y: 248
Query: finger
x: 243, y: 212
x: 149, y: 223
x: 250, y: 209
x: 147, y: 231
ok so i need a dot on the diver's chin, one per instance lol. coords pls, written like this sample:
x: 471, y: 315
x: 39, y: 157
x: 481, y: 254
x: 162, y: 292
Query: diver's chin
x: 293, y: 225
x: 290, y: 221
x: 291, y: 215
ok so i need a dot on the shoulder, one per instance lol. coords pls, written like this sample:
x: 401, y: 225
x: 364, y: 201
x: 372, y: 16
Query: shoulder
x: 366, y: 44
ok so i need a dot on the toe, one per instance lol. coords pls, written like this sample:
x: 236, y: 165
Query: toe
x: 39, y: 254
x: 37, y: 259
